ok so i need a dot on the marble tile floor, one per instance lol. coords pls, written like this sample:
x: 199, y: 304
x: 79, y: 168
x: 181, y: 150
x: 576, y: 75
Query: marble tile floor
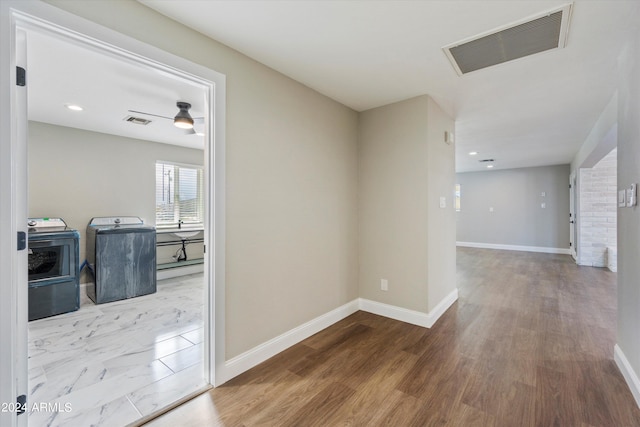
x: 111, y: 364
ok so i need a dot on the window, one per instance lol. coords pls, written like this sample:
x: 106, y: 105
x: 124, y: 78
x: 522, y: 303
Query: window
x: 457, y: 198
x: 179, y: 194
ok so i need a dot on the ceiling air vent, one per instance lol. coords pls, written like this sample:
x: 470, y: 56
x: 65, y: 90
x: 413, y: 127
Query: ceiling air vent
x: 534, y: 35
x: 137, y: 120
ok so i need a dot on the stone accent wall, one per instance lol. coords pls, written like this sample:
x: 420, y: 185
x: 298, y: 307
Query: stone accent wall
x: 598, y: 210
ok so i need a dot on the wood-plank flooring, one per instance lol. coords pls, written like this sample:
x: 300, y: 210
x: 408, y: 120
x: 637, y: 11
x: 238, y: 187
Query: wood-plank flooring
x: 529, y: 343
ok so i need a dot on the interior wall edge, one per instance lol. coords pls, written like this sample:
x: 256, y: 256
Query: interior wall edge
x: 630, y: 376
x: 418, y: 318
x: 253, y: 357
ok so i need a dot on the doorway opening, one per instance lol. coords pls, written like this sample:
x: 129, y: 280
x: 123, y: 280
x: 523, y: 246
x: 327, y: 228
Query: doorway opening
x: 35, y: 20
x: 597, y: 231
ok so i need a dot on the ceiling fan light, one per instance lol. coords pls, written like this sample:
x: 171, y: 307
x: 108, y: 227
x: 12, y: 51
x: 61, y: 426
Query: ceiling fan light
x: 183, y: 119
x: 183, y: 122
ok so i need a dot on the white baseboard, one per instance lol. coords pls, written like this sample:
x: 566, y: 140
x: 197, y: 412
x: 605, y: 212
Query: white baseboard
x: 628, y: 373
x: 542, y: 249
x: 419, y: 318
x: 247, y: 360
x: 170, y: 273
x: 443, y: 306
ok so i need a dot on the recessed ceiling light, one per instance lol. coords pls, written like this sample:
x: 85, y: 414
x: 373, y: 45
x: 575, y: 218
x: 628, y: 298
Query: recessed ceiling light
x: 489, y: 166
x: 473, y: 153
x: 74, y: 107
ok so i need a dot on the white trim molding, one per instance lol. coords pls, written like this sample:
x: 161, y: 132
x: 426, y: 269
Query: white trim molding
x: 630, y: 376
x: 563, y: 251
x: 251, y: 358
x: 247, y: 360
x: 414, y: 317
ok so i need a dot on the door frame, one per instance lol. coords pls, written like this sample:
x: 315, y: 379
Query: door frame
x: 573, y: 217
x: 23, y: 16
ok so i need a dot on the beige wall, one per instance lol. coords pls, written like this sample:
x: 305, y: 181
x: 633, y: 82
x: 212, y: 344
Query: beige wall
x: 516, y: 198
x: 629, y: 218
x: 405, y: 237
x: 291, y: 185
x: 441, y: 222
x: 292, y: 190
x: 77, y: 175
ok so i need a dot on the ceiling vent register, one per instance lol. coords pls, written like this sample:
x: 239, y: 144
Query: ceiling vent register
x: 538, y: 34
x: 137, y: 120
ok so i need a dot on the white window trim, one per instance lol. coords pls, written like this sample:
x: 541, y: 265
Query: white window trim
x: 191, y: 224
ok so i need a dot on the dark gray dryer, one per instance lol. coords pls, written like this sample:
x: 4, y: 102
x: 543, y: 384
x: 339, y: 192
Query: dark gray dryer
x: 121, y: 252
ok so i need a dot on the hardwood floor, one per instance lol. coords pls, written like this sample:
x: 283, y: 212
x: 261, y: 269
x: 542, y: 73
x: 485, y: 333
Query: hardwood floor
x: 529, y: 343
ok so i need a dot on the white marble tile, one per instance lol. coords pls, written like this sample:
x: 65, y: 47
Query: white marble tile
x: 118, y: 412
x: 196, y: 336
x: 60, y: 382
x: 161, y: 349
x: 94, y: 357
x: 37, y: 380
x: 168, y: 390
x: 128, y: 381
x: 184, y: 358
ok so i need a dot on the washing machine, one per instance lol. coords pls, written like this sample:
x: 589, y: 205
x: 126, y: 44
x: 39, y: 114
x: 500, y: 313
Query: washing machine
x: 121, y: 255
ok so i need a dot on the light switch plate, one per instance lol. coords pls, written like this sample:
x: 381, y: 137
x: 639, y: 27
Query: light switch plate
x: 622, y: 198
x: 443, y: 202
x: 631, y: 195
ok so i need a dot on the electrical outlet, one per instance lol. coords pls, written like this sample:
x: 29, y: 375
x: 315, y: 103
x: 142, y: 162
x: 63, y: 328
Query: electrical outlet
x: 384, y: 284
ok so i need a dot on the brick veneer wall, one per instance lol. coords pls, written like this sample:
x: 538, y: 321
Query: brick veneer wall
x: 598, y: 210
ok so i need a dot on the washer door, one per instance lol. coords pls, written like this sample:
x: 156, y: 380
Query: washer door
x: 50, y: 259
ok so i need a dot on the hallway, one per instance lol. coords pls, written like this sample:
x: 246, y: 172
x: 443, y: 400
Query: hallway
x: 529, y: 343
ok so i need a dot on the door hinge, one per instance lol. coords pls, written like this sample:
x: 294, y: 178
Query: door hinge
x: 21, y: 404
x: 205, y: 249
x: 21, y: 76
x: 22, y: 240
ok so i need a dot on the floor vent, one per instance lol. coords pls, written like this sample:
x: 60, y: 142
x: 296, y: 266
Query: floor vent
x: 537, y: 34
x: 137, y: 120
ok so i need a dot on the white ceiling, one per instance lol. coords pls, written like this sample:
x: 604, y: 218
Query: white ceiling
x: 534, y: 111
x: 364, y: 54
x: 61, y: 72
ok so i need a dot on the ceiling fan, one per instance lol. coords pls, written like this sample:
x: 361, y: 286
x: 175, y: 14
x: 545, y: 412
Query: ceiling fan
x: 182, y: 119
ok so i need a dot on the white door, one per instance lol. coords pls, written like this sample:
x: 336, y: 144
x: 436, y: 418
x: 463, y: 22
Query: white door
x: 14, y: 16
x: 13, y: 216
x: 22, y: 201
